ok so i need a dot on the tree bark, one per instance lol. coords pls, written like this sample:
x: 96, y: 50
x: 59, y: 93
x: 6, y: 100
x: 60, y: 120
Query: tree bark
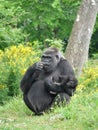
x: 78, y: 45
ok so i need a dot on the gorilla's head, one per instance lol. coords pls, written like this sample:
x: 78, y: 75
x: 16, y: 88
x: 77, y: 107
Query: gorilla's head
x: 50, y: 59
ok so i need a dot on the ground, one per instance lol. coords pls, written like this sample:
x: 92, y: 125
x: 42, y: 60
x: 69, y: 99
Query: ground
x: 80, y: 114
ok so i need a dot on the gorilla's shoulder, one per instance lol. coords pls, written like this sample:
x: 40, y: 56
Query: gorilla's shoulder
x: 63, y: 61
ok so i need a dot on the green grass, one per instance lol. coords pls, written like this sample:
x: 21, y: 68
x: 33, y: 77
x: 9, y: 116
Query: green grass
x: 80, y: 114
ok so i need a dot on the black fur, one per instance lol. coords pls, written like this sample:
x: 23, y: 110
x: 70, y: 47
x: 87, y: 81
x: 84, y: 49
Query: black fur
x: 44, y: 80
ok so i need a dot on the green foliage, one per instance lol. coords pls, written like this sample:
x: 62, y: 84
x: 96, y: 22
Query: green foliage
x: 29, y: 21
x: 95, y: 56
x: 14, y: 62
x: 94, y: 43
x: 89, y: 78
x: 37, y: 45
x: 35, y: 20
x: 10, y: 32
x: 13, y: 83
x: 49, y: 19
x: 4, y: 96
x: 53, y: 43
x: 47, y: 43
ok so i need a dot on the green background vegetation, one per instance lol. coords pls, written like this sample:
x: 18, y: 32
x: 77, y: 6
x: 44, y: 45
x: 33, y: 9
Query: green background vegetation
x: 26, y: 28
x: 25, y: 21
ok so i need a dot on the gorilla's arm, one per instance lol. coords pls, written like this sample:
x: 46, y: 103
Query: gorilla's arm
x: 30, y: 76
x: 71, y: 84
x: 53, y: 87
x: 67, y: 82
x: 67, y: 85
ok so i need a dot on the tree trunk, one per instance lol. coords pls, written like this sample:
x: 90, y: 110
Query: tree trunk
x: 78, y: 45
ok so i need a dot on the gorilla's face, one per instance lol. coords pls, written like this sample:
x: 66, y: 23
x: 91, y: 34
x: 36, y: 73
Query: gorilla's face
x: 49, y: 61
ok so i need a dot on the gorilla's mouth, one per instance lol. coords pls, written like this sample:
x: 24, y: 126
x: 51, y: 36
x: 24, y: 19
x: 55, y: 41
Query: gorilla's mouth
x: 46, y: 66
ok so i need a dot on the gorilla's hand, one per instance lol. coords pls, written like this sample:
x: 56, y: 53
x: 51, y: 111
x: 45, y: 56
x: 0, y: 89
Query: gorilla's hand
x: 52, y: 86
x: 69, y: 85
x: 39, y: 66
x: 49, y: 84
x: 69, y: 81
x: 72, y: 83
x: 63, y: 79
x: 48, y: 81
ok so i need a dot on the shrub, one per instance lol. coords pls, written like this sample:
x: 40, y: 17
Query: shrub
x: 47, y: 43
x: 14, y: 62
x: 95, y: 56
x: 54, y: 43
x: 89, y: 79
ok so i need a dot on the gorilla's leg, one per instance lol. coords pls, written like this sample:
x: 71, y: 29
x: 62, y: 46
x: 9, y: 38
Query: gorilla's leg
x: 30, y: 106
x: 27, y: 102
x: 62, y: 99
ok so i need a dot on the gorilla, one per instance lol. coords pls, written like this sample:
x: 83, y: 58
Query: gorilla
x: 46, y: 79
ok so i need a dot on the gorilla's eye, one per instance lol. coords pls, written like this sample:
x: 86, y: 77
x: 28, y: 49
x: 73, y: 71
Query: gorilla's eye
x: 43, y: 56
x: 46, y: 57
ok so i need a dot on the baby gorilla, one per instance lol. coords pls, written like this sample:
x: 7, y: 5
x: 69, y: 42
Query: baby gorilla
x: 44, y: 80
x: 65, y: 84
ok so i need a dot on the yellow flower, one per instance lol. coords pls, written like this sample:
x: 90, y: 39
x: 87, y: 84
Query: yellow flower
x: 1, y: 86
x: 97, y: 89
